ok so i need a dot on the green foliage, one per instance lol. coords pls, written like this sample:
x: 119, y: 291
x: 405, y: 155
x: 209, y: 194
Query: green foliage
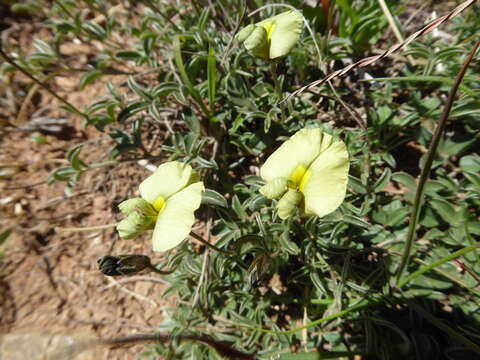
x: 284, y: 274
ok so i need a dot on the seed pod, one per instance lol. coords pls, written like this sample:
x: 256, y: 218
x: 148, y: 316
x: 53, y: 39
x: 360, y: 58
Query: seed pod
x: 123, y: 264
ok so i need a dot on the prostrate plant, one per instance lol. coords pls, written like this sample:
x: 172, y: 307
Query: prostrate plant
x: 287, y: 275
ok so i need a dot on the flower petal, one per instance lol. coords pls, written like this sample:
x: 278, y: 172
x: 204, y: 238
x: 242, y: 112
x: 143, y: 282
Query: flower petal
x: 326, y: 186
x: 176, y: 220
x: 301, y: 149
x: 288, y: 27
x: 168, y: 179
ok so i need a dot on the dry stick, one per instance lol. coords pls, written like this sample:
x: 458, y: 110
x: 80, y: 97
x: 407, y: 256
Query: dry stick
x: 428, y: 164
x: 371, y: 59
x: 38, y: 82
x: 224, y: 349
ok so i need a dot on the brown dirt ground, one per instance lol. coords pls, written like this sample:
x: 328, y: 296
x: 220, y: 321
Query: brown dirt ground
x: 48, y: 278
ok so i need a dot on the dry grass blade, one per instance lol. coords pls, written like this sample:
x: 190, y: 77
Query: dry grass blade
x: 371, y: 59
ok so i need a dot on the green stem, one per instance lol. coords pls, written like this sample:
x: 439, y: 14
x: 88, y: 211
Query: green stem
x: 207, y: 244
x: 428, y: 165
x: 278, y: 87
x: 360, y: 305
x: 40, y: 83
x: 161, y: 272
x: 437, y: 263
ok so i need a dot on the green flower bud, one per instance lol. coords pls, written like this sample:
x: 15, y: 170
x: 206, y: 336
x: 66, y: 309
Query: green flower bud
x: 137, y: 204
x: 123, y: 264
x: 275, y: 188
x: 134, y: 224
x: 288, y: 203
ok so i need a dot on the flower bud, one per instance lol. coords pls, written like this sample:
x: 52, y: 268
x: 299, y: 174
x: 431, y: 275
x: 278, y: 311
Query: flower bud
x: 134, y: 224
x: 123, y: 264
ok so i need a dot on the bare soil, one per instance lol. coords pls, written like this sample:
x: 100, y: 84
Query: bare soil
x: 48, y: 278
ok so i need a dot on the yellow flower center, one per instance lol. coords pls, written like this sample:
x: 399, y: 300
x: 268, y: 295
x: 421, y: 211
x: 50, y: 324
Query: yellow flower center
x: 159, y: 204
x: 299, y: 177
x: 269, y: 27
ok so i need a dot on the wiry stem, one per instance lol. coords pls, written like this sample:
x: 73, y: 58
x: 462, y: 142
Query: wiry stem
x: 207, y: 244
x: 42, y: 84
x: 278, y: 87
x: 428, y: 164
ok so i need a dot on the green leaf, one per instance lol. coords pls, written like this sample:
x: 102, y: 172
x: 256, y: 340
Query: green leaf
x: 445, y: 210
x: 4, y: 235
x: 137, y: 89
x: 212, y: 78
x: 470, y: 163
x: 177, y: 56
x: 383, y: 180
x: 211, y: 197
x: 128, y: 55
x: 356, y: 185
x: 238, y: 208
x: 74, y: 158
x: 405, y: 179
x: 287, y: 244
x: 131, y: 110
x: 89, y: 77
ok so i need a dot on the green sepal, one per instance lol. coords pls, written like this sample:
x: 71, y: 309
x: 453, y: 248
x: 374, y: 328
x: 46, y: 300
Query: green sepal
x: 137, y: 204
x: 134, y: 224
x: 243, y: 34
x: 275, y: 188
x: 257, y: 42
x: 288, y: 203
